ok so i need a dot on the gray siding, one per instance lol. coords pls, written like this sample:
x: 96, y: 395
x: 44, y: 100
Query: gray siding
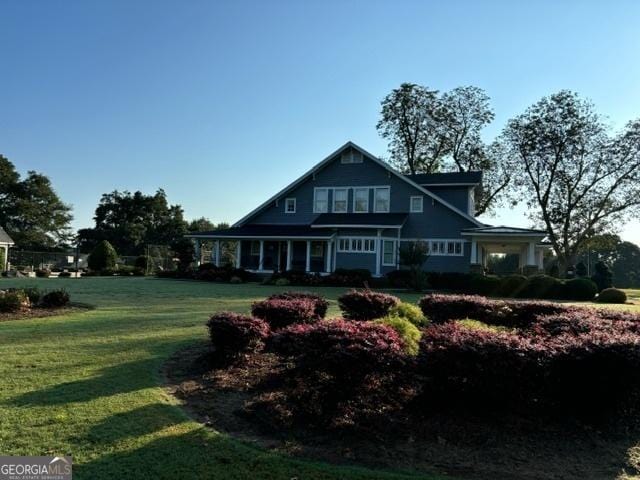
x: 456, y: 196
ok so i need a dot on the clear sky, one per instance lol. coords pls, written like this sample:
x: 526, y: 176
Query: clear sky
x: 224, y: 103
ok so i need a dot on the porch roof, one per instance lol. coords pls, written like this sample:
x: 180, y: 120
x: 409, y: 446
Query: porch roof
x: 503, y: 231
x: 265, y: 231
x: 5, y: 239
x: 360, y: 220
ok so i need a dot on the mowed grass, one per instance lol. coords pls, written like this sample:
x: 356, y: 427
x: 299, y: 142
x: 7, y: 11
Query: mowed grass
x: 89, y: 385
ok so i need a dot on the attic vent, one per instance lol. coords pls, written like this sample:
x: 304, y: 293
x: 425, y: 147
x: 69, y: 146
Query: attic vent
x: 351, y: 156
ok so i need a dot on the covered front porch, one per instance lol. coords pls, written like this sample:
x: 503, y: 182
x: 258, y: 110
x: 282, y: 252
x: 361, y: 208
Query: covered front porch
x: 269, y: 248
x: 527, y: 244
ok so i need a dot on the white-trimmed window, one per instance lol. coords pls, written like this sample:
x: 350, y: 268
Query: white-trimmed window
x: 381, y: 200
x: 351, y: 156
x: 356, y: 245
x: 361, y: 200
x: 340, y: 200
x: 416, y: 204
x: 321, y: 200
x: 388, y: 253
x: 452, y: 248
x: 255, y: 248
x: 289, y: 205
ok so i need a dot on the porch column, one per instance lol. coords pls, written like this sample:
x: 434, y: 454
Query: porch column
x: 540, y: 259
x: 261, y: 260
x: 238, y: 252
x: 197, y: 252
x: 6, y: 258
x: 531, y: 253
x: 217, y: 253
x: 327, y: 257
x: 289, y: 253
x: 378, y: 252
x: 474, y: 252
x: 308, y: 267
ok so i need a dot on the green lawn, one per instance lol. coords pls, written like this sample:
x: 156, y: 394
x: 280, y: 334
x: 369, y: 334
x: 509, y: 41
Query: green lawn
x: 88, y: 385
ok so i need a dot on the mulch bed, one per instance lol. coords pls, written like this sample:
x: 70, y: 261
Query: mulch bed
x: 463, y: 445
x: 44, y: 312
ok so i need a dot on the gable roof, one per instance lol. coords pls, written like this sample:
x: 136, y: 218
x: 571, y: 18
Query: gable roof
x: 263, y: 231
x: 5, y: 238
x: 316, y: 168
x: 447, y: 178
x: 502, y: 230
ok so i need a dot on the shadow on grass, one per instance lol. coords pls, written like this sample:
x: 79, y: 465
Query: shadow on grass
x: 134, y: 423
x: 196, y: 454
x: 121, y: 378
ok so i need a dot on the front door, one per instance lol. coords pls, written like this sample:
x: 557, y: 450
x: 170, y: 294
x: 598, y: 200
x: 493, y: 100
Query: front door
x: 282, y: 257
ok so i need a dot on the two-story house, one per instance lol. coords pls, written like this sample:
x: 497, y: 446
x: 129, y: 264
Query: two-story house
x: 352, y: 210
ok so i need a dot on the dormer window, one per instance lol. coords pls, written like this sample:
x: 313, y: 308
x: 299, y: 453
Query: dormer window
x: 290, y: 205
x: 351, y: 156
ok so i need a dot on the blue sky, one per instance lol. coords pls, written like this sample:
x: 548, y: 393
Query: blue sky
x: 223, y: 103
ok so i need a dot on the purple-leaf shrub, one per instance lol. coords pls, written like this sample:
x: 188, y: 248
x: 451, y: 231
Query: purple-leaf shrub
x: 280, y: 313
x: 320, y: 303
x: 366, y: 304
x: 233, y: 334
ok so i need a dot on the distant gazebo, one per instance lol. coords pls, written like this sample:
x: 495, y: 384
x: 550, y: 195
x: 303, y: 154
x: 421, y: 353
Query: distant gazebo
x: 5, y: 243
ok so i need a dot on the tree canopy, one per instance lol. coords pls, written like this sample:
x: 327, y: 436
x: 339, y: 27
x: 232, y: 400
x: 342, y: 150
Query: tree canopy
x: 129, y: 221
x: 431, y: 132
x: 31, y: 211
x: 577, y: 179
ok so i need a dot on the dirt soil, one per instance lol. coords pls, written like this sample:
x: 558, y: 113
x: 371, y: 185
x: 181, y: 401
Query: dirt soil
x: 461, y: 445
x: 43, y: 312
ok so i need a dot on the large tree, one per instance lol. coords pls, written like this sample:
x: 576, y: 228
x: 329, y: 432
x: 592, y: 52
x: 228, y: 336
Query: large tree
x: 577, y: 179
x: 131, y: 221
x: 428, y: 133
x: 409, y: 120
x: 31, y: 211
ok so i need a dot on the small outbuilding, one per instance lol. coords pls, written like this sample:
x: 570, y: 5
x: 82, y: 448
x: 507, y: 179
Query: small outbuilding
x: 5, y: 243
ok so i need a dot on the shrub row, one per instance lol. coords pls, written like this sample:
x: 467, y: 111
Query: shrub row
x: 208, y: 272
x: 366, y: 304
x: 14, y: 300
x: 341, y: 277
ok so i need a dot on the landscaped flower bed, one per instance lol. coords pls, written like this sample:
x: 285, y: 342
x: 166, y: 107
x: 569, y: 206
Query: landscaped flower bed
x: 29, y: 302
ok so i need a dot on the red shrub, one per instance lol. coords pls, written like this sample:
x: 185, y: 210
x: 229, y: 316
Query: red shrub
x: 345, y: 374
x: 566, y: 365
x: 441, y: 308
x: 321, y: 304
x: 366, y: 304
x: 233, y: 334
x: 280, y: 313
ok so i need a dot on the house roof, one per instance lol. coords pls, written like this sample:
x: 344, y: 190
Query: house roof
x: 447, y: 178
x: 360, y: 220
x: 383, y: 164
x: 502, y: 230
x: 5, y: 238
x: 265, y: 232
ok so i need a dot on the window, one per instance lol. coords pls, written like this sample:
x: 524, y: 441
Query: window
x: 357, y: 245
x: 340, y: 196
x: 290, y: 205
x: 416, y: 204
x: 388, y: 252
x: 255, y: 248
x: 351, y: 156
x: 361, y: 200
x: 321, y: 200
x: 381, y: 202
x: 446, y: 247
